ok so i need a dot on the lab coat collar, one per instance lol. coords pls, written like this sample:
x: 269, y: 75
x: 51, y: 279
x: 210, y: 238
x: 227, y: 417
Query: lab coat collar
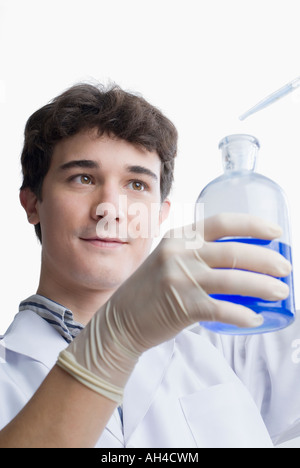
x: 32, y: 336
x: 141, y: 389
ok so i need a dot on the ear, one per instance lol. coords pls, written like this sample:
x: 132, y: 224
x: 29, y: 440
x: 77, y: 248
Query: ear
x: 29, y: 202
x: 164, y: 210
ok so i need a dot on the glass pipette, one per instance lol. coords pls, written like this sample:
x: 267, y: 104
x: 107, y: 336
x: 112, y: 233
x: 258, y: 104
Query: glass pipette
x: 288, y: 88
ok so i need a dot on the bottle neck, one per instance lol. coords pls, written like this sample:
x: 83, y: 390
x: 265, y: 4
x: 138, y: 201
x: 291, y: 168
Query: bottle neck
x: 239, y: 153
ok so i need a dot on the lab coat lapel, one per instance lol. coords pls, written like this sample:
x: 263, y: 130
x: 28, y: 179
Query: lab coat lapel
x: 143, y: 385
x: 113, y: 428
x: 46, y: 344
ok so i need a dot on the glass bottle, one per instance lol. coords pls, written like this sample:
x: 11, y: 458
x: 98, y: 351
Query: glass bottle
x: 241, y: 190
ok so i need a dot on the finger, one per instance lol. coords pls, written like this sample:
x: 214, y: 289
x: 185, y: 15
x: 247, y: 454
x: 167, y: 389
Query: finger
x: 234, y: 314
x: 245, y: 257
x: 239, y: 224
x: 243, y: 283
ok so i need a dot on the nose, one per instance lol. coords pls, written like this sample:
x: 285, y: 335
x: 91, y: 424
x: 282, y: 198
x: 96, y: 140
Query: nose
x: 109, y: 204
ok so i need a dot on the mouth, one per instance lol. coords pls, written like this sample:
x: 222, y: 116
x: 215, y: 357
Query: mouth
x: 105, y: 243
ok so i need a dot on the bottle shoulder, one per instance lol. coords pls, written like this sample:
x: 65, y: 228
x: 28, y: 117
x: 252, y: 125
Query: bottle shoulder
x: 242, y: 180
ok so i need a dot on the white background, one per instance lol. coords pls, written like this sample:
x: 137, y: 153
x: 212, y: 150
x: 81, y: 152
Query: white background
x: 202, y: 62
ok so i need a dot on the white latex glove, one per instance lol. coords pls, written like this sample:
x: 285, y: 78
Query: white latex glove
x: 170, y: 292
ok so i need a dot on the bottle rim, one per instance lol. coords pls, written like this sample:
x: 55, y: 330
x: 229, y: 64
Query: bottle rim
x: 238, y: 137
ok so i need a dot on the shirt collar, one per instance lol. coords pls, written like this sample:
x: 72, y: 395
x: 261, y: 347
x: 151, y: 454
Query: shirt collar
x: 55, y: 314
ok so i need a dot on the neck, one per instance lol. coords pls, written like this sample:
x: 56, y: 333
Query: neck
x: 83, y: 302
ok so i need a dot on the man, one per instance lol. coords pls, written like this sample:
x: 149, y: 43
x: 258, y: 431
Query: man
x: 101, y: 355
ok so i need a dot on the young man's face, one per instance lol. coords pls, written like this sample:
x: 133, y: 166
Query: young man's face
x: 94, y: 234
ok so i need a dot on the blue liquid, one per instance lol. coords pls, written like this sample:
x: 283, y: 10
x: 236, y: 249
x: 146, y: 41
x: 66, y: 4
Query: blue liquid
x: 277, y: 314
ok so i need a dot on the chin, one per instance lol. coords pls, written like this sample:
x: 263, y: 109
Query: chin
x: 105, y: 279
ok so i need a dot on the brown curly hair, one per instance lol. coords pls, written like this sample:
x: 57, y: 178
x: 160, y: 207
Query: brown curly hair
x: 111, y: 111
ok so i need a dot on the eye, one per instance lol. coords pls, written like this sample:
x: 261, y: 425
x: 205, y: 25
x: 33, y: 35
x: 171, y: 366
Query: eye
x: 82, y: 179
x: 137, y: 185
x: 85, y: 180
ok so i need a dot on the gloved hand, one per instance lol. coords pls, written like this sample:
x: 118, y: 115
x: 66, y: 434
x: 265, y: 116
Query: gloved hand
x: 170, y: 292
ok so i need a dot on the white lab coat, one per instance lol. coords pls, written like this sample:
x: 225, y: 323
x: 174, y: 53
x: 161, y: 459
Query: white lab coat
x: 186, y: 393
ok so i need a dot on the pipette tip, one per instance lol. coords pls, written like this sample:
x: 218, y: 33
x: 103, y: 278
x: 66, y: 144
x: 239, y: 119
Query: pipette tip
x: 280, y: 93
x: 245, y: 115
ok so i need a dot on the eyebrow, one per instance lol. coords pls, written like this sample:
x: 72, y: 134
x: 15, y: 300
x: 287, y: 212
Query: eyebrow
x: 83, y: 163
x: 90, y: 164
x: 141, y: 170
